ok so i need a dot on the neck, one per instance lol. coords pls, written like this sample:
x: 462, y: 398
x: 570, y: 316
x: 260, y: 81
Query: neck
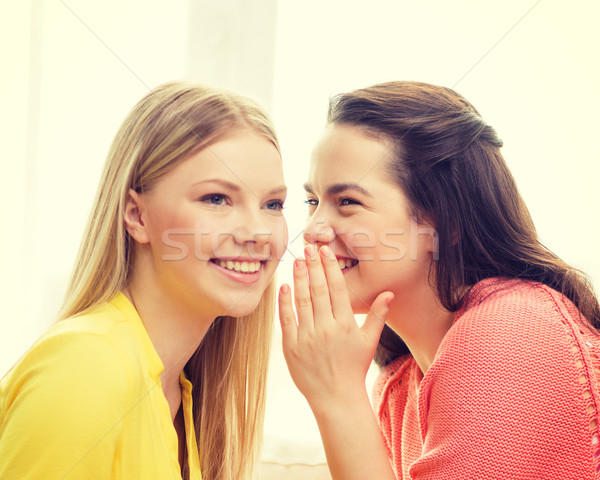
x: 175, y: 328
x: 421, y: 321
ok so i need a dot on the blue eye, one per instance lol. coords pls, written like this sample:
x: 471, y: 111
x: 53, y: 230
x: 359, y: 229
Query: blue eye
x: 214, y: 199
x: 274, y: 205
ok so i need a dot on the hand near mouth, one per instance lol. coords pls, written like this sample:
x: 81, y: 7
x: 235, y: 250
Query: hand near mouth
x: 326, y: 351
x: 328, y: 356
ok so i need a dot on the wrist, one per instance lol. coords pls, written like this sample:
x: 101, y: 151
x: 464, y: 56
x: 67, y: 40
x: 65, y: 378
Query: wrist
x: 340, y: 403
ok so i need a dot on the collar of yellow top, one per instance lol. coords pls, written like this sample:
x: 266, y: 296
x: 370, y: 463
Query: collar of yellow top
x: 155, y: 364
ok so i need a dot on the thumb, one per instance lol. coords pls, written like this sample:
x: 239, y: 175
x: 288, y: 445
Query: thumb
x: 377, y: 315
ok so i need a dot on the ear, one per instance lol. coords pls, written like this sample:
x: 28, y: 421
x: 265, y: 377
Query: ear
x: 133, y: 218
x: 423, y: 237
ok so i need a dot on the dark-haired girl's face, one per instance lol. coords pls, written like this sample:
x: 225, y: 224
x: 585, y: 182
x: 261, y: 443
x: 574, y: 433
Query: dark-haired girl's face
x: 363, y: 215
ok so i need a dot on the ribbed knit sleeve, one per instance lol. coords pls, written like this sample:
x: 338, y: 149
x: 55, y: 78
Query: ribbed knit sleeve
x: 511, y: 394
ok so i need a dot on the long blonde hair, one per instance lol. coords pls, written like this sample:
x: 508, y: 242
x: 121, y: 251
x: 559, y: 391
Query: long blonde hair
x: 228, y: 371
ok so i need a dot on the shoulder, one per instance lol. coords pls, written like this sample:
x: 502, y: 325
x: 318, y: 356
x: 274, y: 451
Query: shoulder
x: 500, y: 310
x: 512, y: 340
x: 65, y: 401
x: 78, y: 357
x: 507, y: 370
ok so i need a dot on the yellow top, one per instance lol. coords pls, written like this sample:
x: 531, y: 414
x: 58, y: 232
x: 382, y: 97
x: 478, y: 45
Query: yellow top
x: 86, y: 403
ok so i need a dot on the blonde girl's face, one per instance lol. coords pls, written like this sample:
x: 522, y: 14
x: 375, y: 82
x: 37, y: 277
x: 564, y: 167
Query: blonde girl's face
x: 215, y: 226
x: 363, y: 215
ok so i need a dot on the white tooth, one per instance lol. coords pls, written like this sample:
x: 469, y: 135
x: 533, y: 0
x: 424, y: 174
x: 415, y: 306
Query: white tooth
x: 349, y: 263
x: 342, y: 264
x: 245, y: 267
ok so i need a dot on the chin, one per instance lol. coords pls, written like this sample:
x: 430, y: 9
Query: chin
x: 240, y: 307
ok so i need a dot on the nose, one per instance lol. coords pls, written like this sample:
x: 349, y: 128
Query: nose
x: 318, y: 231
x: 251, y: 229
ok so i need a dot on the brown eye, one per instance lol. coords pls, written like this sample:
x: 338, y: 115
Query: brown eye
x: 344, y: 202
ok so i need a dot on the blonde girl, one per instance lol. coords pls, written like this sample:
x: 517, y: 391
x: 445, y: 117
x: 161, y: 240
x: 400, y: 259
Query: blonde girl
x: 157, y: 366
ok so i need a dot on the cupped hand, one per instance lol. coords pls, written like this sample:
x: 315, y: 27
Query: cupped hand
x: 327, y: 353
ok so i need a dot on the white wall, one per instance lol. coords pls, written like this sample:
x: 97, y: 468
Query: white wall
x: 72, y: 69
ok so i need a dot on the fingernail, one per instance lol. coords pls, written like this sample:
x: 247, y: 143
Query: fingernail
x: 309, y: 250
x: 299, y: 263
x: 285, y: 288
x: 326, y: 252
x: 389, y: 300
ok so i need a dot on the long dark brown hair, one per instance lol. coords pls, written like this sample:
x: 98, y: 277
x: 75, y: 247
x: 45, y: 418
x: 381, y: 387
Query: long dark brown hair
x: 447, y: 161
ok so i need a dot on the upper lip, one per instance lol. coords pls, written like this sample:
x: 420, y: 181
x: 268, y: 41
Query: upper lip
x: 343, y: 257
x: 240, y: 259
x: 339, y: 248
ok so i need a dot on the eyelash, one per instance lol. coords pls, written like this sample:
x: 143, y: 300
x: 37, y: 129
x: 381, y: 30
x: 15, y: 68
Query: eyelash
x: 223, y: 198
x: 208, y: 199
x: 350, y: 200
x: 343, y: 202
x: 278, y: 203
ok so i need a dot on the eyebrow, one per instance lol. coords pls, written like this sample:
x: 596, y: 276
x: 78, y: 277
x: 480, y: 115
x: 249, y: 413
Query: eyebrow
x: 236, y: 188
x: 337, y: 188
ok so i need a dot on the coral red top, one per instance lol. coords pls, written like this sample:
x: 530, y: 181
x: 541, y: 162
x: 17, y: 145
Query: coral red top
x: 513, y: 393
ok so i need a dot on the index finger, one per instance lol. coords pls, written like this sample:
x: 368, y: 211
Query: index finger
x: 338, y: 291
x: 319, y: 289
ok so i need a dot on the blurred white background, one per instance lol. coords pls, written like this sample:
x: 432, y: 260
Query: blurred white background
x: 72, y: 69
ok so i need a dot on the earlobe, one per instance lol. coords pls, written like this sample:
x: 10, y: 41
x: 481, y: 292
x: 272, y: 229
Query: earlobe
x: 132, y: 217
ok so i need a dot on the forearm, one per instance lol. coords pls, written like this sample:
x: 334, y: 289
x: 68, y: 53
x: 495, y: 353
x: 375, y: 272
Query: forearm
x: 353, y: 443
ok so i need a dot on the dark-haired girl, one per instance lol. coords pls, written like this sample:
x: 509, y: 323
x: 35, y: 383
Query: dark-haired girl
x: 490, y: 349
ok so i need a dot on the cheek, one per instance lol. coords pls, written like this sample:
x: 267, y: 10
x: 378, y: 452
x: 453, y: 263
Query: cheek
x: 169, y: 239
x: 169, y: 222
x: 394, y: 245
x: 367, y: 241
x: 202, y: 238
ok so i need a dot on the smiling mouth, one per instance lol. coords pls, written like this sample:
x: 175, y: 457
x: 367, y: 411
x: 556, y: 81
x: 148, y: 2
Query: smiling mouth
x: 238, y: 266
x: 347, y: 263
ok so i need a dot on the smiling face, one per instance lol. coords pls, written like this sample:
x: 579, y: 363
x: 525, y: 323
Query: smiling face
x: 213, y: 228
x: 363, y: 215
